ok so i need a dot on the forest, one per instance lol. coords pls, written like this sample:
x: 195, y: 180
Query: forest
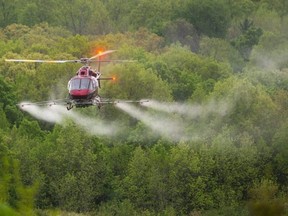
x: 212, y: 140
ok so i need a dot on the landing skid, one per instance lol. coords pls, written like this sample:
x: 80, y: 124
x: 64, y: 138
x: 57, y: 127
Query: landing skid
x: 69, y: 106
x: 97, y: 102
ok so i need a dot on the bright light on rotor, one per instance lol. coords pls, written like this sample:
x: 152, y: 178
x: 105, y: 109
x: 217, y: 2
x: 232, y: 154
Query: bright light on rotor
x: 99, y: 51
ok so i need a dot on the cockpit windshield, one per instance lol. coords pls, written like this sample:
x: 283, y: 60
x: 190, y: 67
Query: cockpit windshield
x: 80, y: 83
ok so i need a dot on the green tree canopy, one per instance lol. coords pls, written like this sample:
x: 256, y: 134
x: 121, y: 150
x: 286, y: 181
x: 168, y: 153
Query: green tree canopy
x: 209, y: 17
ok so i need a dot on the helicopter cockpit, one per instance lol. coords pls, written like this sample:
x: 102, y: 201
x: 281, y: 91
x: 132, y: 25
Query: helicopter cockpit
x: 82, y: 84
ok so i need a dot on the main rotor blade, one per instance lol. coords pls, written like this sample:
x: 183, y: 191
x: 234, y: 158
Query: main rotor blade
x: 113, y: 61
x: 40, y: 61
x: 101, y: 54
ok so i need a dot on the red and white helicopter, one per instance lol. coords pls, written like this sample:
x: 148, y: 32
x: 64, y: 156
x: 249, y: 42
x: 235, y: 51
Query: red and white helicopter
x: 82, y: 88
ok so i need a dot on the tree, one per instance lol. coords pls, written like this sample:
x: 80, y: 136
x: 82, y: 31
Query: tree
x: 8, y: 102
x: 264, y: 199
x: 8, y: 12
x: 138, y: 42
x: 250, y: 37
x: 182, y: 31
x: 270, y: 54
x: 119, y: 12
x: 241, y: 8
x: 211, y: 18
x: 84, y: 17
x: 33, y: 12
x: 251, y: 107
x: 280, y: 6
x: 280, y: 150
x: 134, y: 76
x: 6, y: 90
x: 235, y: 159
x: 151, y: 14
x: 184, y: 70
x: 136, y: 181
x: 220, y: 50
x: 185, y: 182
x: 158, y: 177
x: 75, y: 169
x: 13, y: 192
x: 4, y: 124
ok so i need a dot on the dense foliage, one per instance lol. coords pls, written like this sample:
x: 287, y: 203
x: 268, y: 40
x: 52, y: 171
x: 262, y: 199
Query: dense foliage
x: 213, y: 142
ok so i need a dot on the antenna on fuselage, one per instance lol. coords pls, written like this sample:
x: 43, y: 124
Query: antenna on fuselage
x: 99, y: 64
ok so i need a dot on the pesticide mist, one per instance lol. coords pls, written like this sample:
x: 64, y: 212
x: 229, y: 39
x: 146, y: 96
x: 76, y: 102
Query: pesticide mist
x: 59, y: 114
x: 177, y: 121
x: 173, y: 121
x: 191, y: 111
x: 165, y: 127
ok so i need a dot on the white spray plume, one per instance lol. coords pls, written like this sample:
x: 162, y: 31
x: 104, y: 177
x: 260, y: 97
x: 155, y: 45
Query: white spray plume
x: 168, y: 128
x: 58, y: 114
x: 192, y: 124
x: 92, y: 126
x: 268, y: 61
x: 192, y: 111
x: 164, y: 123
x: 45, y: 114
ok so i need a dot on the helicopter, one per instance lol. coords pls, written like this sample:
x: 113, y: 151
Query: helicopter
x: 84, y: 86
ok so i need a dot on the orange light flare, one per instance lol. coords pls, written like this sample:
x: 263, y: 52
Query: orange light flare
x: 99, y: 51
x: 113, y: 79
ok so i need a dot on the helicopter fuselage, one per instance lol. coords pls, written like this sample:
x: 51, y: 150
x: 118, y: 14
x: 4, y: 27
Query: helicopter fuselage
x: 83, y: 88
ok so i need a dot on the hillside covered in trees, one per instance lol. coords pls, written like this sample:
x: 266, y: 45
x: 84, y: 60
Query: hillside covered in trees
x: 211, y: 141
